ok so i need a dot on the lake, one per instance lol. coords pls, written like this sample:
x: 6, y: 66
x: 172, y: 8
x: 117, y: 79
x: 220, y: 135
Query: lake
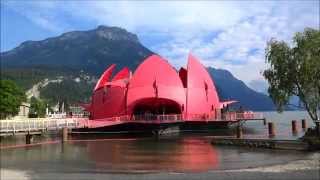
x: 118, y: 154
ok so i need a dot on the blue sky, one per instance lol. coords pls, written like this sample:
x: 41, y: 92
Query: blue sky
x: 224, y: 34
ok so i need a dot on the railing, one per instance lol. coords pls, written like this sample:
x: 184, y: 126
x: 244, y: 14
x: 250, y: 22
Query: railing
x: 115, y: 118
x: 149, y: 118
x: 229, y: 116
x: 198, y: 117
x: 146, y: 119
x: 226, y: 116
x: 247, y: 115
x: 37, y: 124
x: 175, y: 117
x: 64, y: 115
x: 159, y: 118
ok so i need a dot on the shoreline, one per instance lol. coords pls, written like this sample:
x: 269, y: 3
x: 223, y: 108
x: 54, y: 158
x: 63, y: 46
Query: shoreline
x: 308, y: 168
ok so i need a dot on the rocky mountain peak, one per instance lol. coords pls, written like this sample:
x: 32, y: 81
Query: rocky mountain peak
x: 115, y: 33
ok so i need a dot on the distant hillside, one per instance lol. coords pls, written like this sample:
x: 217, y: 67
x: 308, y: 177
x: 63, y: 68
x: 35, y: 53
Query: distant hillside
x: 91, y: 51
x: 230, y: 88
x: 78, y: 58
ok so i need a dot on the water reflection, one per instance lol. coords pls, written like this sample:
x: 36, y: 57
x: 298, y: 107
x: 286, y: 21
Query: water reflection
x: 115, y: 153
x: 183, y: 154
x: 190, y: 154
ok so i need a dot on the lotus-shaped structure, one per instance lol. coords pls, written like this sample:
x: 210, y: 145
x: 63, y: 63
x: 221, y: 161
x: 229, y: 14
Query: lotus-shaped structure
x: 156, y: 88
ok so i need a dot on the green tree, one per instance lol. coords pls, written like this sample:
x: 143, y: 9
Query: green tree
x: 295, y: 70
x: 11, y: 97
x: 37, y: 108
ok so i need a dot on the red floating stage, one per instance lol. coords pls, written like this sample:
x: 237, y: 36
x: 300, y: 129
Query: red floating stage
x: 156, y: 97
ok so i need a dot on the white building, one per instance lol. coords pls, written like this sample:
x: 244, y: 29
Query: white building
x: 24, y: 109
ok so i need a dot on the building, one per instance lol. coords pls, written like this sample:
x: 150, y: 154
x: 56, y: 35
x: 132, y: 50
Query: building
x: 156, y: 88
x: 24, y: 109
x: 77, y: 111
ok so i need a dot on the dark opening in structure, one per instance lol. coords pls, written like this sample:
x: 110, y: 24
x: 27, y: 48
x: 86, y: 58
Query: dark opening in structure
x: 156, y: 106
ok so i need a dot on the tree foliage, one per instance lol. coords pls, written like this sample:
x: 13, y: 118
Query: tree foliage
x: 11, y: 97
x: 37, y: 108
x: 295, y: 70
x: 67, y: 91
x: 26, y: 77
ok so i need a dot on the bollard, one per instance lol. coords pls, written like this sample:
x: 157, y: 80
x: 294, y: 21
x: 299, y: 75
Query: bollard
x: 304, y: 124
x: 64, y: 134
x: 294, y: 127
x: 264, y: 121
x: 29, y: 139
x: 239, y: 132
x: 271, y: 129
x: 318, y: 128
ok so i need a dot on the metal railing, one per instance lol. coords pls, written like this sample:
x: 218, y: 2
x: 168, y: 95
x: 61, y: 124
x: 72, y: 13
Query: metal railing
x: 247, y: 115
x: 37, y: 124
x: 146, y: 119
x: 155, y: 117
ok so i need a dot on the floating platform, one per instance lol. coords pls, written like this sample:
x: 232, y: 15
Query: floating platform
x: 129, y: 124
x: 148, y: 127
x: 154, y: 126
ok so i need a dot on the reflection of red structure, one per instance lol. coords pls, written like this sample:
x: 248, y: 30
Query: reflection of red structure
x: 156, y: 88
x: 187, y: 155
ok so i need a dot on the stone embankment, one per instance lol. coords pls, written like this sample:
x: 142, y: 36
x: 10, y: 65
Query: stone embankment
x: 263, y: 143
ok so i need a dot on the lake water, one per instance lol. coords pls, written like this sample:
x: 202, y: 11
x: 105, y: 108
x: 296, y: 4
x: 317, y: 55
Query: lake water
x: 187, y: 152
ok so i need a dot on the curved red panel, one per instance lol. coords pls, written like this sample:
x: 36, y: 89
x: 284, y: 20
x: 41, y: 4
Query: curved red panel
x: 202, y: 97
x: 108, y: 102
x: 105, y: 77
x: 123, y: 74
x: 155, y: 78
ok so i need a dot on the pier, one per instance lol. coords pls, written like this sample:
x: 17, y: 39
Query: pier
x: 158, y: 125
x: 162, y: 124
x: 38, y: 125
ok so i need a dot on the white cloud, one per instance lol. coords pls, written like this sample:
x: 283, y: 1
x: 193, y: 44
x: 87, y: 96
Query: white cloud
x: 224, y: 34
x: 240, y: 47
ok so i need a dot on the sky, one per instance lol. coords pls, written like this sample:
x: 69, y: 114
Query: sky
x: 229, y: 35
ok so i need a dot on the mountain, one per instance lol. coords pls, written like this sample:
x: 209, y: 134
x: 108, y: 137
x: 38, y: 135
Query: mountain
x: 73, y: 61
x: 259, y: 86
x: 90, y: 51
x: 230, y: 88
